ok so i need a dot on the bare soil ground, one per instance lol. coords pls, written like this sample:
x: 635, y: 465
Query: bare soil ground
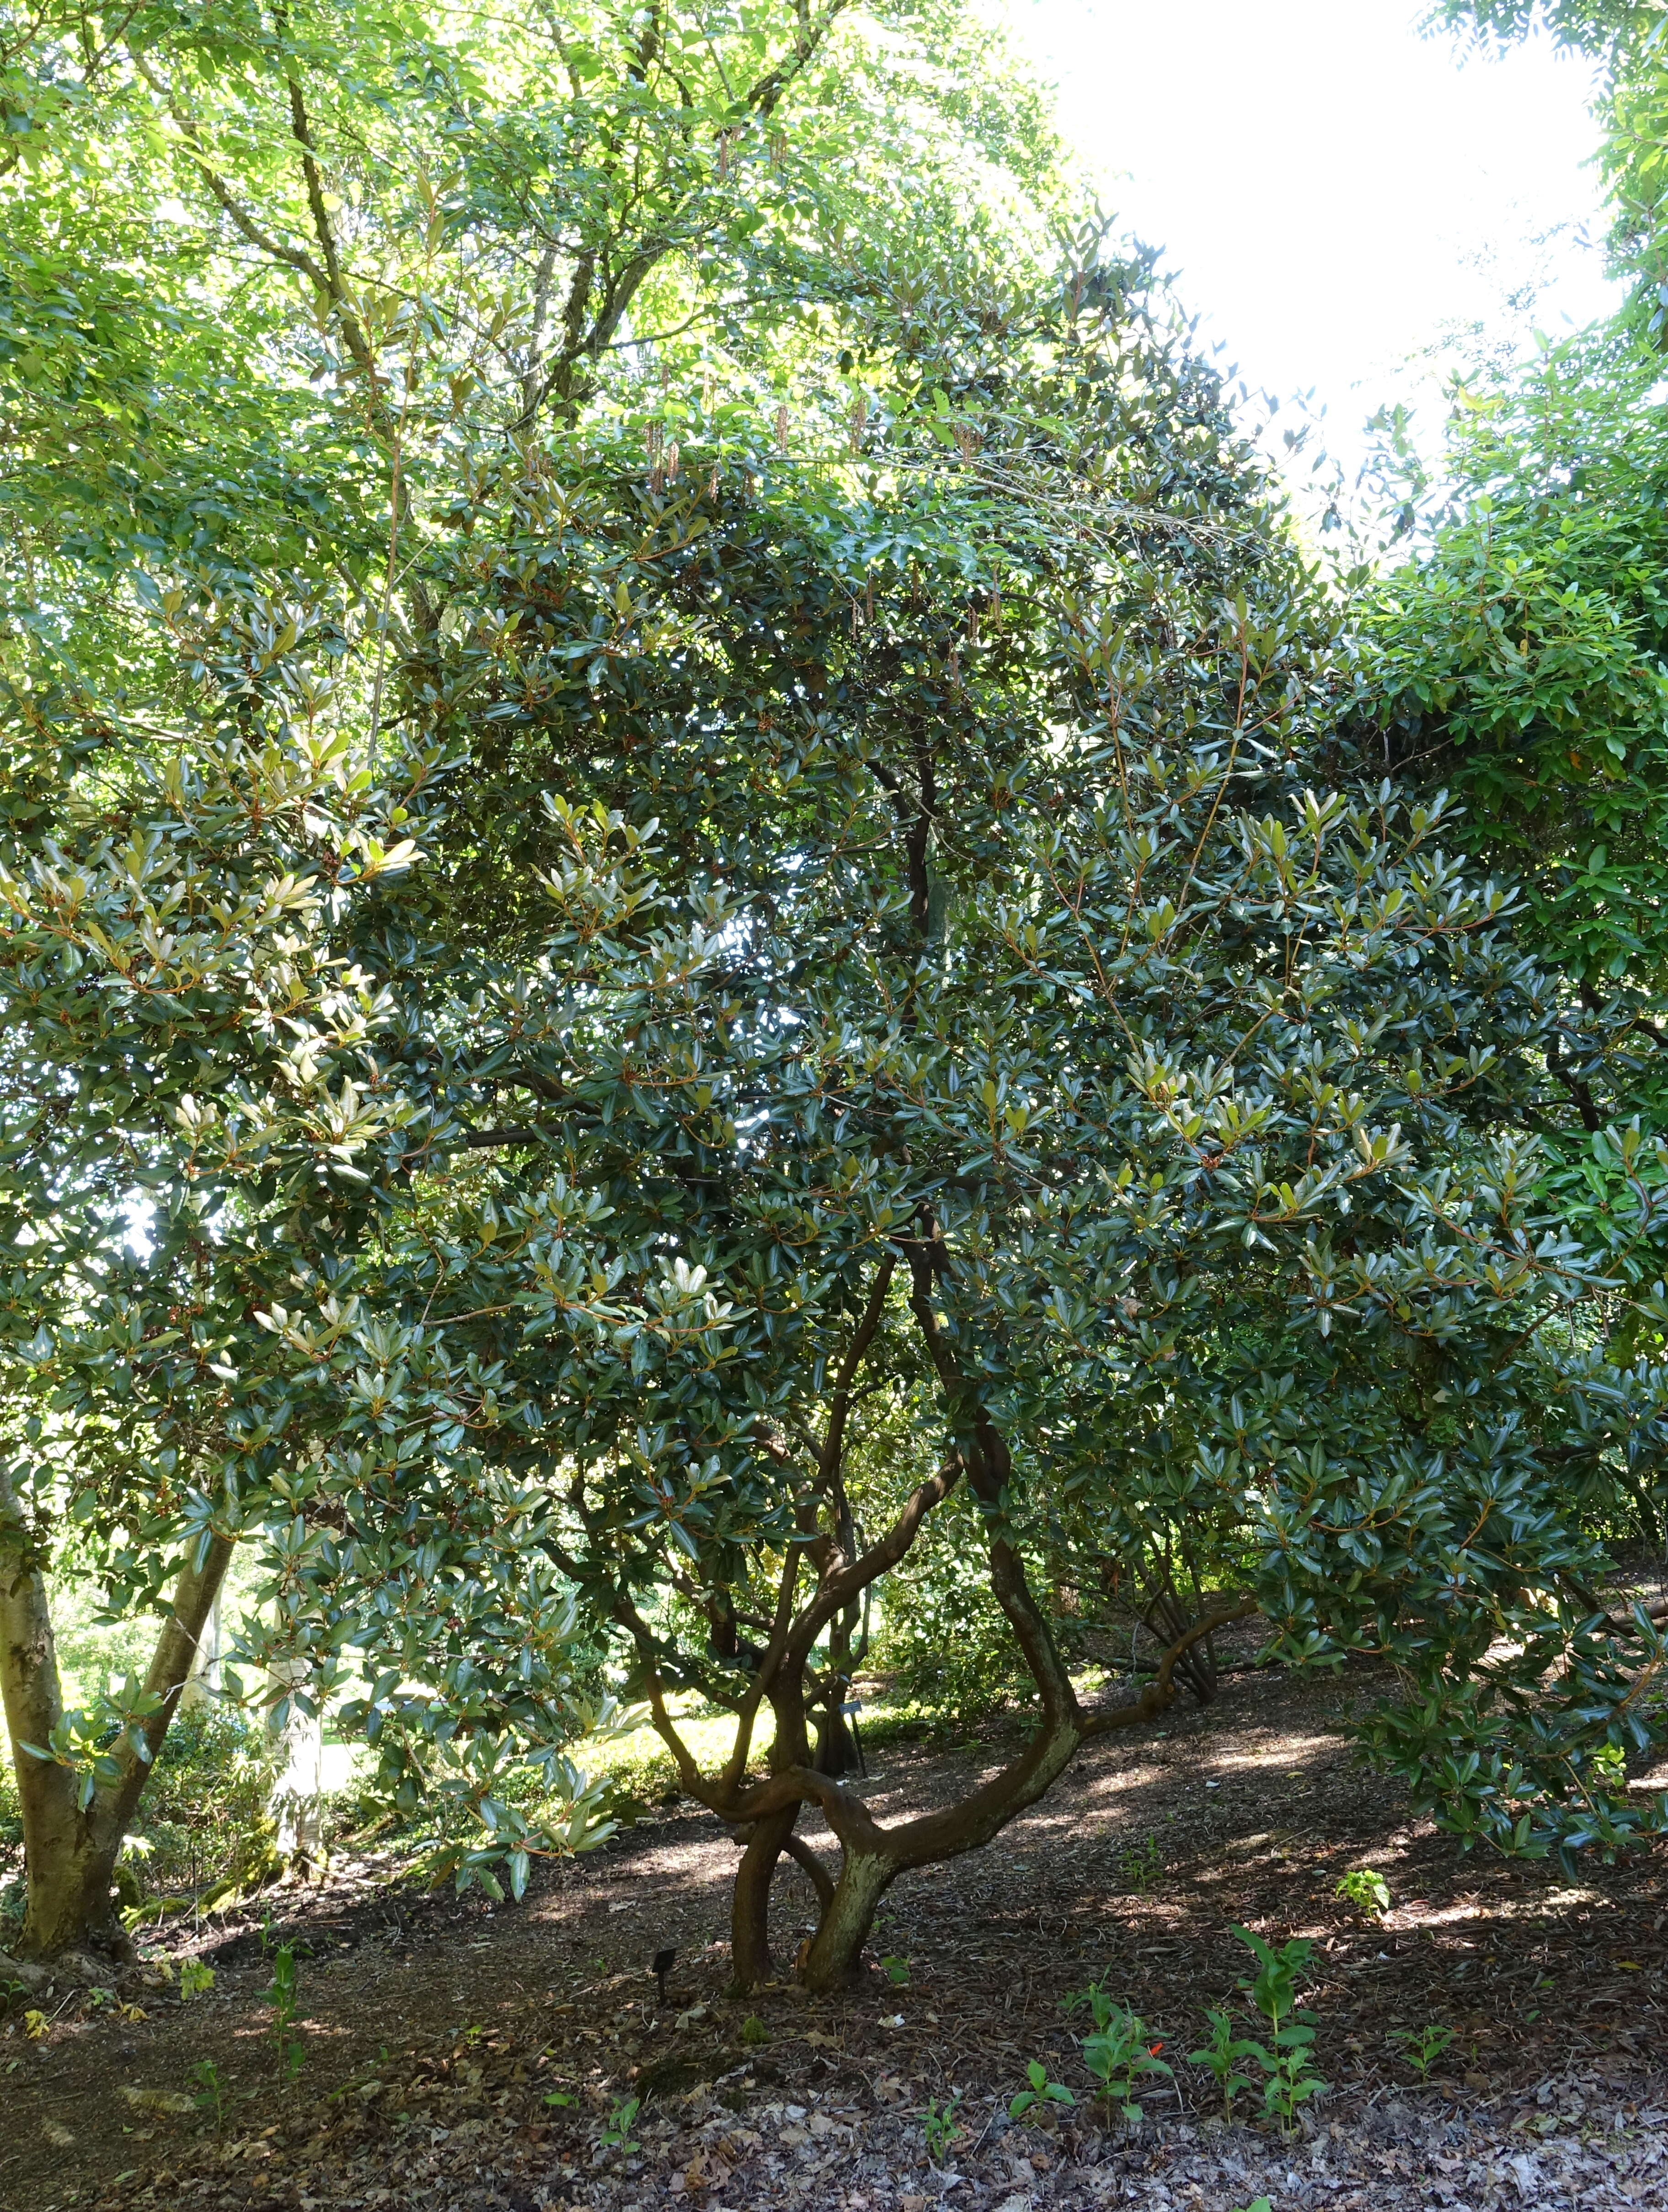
x: 437, y: 2032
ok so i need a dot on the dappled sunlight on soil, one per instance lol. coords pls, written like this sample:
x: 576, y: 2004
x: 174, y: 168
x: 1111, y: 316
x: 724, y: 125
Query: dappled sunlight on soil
x: 436, y: 2029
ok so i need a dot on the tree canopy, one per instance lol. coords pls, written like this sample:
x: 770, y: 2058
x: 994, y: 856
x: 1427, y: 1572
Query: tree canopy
x: 739, y: 907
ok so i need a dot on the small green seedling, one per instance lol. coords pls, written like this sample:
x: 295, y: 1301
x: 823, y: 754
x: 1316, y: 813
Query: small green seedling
x: 287, y: 2040
x: 897, y: 1971
x: 616, y: 2134
x: 1367, y: 1891
x: 559, y: 2097
x: 210, y: 2092
x: 1117, y: 2052
x: 754, y: 2032
x: 1285, y: 2059
x: 1261, y: 2205
x: 940, y: 2127
x: 1040, y: 2095
x: 1118, y: 2056
x: 195, y: 1980
x: 1221, y: 2057
x: 1423, y: 2050
x: 1140, y: 1865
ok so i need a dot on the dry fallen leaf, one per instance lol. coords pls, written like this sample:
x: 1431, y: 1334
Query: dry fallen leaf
x: 158, y: 2100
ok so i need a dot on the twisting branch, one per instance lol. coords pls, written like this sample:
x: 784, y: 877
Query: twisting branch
x: 1161, y: 1692
x: 837, y: 1590
x: 627, y: 1618
x: 335, y: 283
x: 990, y: 1468
x: 587, y: 334
x: 1655, y: 1610
x: 735, y: 1766
x: 821, y: 1880
x: 1561, y: 1069
x: 830, y: 1457
x: 766, y: 96
x: 291, y: 256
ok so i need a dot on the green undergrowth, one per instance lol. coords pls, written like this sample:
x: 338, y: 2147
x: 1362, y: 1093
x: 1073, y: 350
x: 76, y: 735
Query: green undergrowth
x: 201, y: 1829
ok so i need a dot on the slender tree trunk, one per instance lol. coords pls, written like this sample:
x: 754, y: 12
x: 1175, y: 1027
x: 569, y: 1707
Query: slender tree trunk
x: 203, y: 1689
x: 751, y: 1962
x: 836, y: 1747
x: 69, y: 1851
x: 52, y: 1823
x: 296, y: 1801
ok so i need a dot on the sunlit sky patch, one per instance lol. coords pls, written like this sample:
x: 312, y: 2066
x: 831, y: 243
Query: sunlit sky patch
x: 1334, y: 192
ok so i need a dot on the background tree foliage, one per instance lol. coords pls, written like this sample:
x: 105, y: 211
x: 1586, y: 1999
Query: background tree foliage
x: 277, y: 280
x: 1515, y: 657
x: 1523, y: 652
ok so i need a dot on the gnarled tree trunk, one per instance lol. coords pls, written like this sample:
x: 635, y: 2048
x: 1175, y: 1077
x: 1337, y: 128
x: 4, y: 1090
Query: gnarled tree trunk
x: 764, y: 1813
x: 836, y: 1951
x: 750, y: 1898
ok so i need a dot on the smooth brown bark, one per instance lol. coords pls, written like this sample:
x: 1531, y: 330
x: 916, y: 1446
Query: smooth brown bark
x: 750, y: 1900
x: 874, y: 1855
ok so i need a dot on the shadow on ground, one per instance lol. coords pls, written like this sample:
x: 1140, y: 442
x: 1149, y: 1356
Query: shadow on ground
x: 460, y: 2053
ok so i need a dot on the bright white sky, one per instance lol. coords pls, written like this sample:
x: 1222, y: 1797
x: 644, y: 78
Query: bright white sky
x: 1333, y: 190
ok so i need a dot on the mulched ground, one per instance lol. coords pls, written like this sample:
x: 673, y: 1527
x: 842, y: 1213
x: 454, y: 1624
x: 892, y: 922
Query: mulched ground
x: 462, y: 2055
